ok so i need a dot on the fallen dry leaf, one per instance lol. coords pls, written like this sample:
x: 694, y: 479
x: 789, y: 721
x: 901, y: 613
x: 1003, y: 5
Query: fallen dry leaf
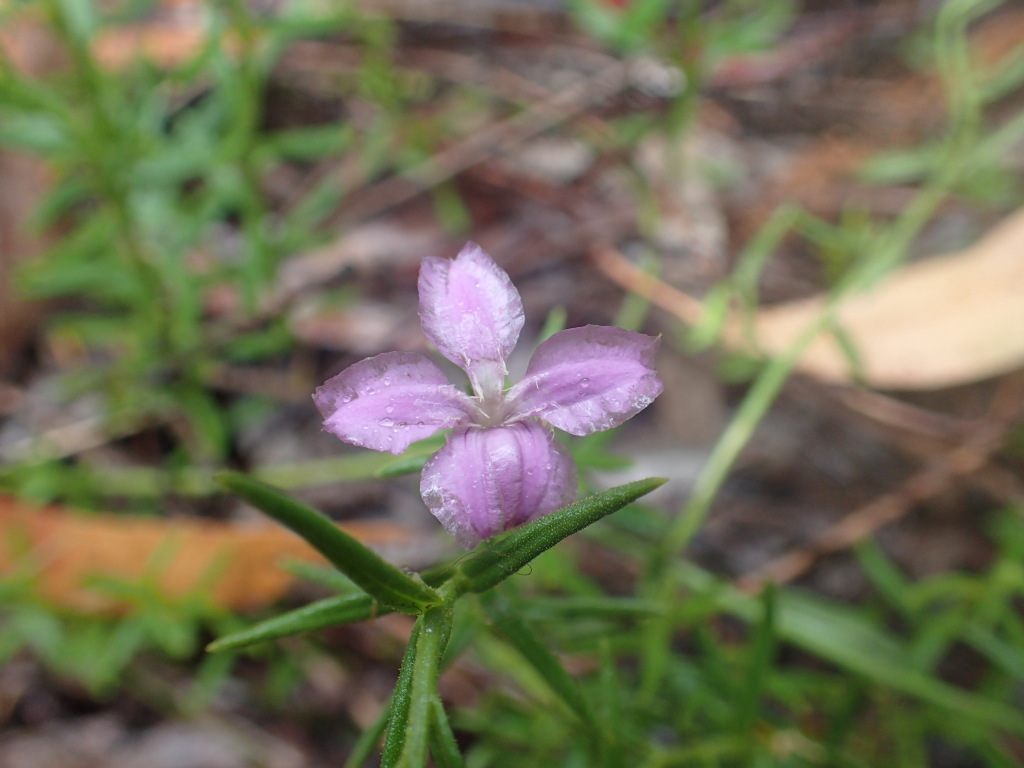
x: 173, y: 35
x: 66, y: 550
x: 935, y: 323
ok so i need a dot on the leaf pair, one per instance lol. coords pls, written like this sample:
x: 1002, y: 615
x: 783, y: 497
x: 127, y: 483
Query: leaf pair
x: 389, y: 589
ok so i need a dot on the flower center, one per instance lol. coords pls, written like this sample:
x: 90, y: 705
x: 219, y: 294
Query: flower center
x: 493, y: 409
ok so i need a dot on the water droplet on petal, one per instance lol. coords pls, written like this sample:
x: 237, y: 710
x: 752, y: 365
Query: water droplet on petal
x: 387, y: 422
x: 584, y: 382
x: 389, y: 409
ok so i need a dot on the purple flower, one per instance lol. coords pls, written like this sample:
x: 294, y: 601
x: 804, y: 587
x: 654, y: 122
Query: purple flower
x: 501, y: 466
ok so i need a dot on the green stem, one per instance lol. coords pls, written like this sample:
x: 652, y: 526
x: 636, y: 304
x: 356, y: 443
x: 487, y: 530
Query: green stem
x: 401, y: 701
x: 409, y: 748
x: 443, y: 746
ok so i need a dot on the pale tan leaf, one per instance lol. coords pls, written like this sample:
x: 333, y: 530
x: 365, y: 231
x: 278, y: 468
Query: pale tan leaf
x: 935, y: 323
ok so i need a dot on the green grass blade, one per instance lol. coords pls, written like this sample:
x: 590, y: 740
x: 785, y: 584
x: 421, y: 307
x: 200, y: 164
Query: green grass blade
x: 521, y: 636
x: 762, y: 657
x: 323, y: 613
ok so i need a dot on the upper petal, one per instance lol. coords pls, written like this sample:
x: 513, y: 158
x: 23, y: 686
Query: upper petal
x: 589, y: 379
x: 485, y: 481
x: 389, y: 401
x: 472, y: 313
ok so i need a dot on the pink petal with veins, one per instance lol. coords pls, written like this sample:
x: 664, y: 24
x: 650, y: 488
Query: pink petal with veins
x: 588, y: 379
x: 486, y: 481
x: 472, y: 313
x: 390, y: 401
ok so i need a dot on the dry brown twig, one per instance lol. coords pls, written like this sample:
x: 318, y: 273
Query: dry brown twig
x: 634, y: 280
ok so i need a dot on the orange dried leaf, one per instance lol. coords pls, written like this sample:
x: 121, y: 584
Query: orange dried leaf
x: 241, y: 564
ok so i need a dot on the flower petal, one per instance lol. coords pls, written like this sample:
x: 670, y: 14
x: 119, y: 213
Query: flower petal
x: 588, y: 379
x: 485, y: 481
x: 472, y: 313
x: 390, y: 401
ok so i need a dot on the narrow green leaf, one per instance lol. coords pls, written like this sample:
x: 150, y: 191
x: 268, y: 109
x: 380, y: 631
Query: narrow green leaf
x: 885, y: 576
x: 403, y: 465
x: 553, y: 323
x: 714, y: 314
x: 381, y: 580
x: 495, y: 561
x: 559, y: 608
x: 519, y: 634
x: 409, y: 749
x: 331, y: 611
x: 401, y: 699
x: 336, y: 469
x: 368, y: 740
x: 761, y: 660
x: 854, y: 359
x: 315, y: 143
x: 78, y: 20
x: 1005, y: 655
x: 323, y: 575
x: 610, y: 707
x: 443, y: 746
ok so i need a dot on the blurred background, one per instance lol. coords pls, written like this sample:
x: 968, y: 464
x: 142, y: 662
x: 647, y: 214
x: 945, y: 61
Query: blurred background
x: 208, y: 208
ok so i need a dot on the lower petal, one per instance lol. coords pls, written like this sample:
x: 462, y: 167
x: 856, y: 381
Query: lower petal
x: 486, y: 481
x: 390, y: 401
